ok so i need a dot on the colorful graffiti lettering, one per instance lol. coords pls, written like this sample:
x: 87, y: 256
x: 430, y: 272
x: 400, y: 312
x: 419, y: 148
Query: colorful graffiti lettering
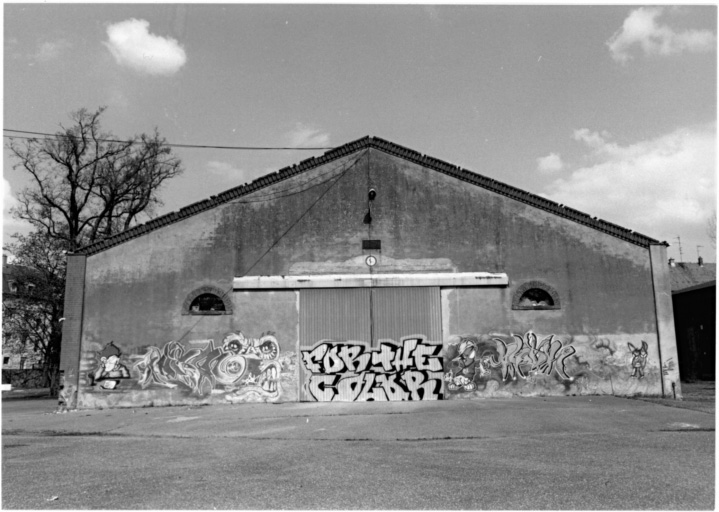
x: 526, y: 356
x: 639, y: 359
x: 109, y: 370
x: 242, y: 365
x: 475, y: 360
x: 338, y: 371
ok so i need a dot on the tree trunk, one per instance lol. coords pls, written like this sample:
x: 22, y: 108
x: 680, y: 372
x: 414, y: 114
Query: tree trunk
x: 54, y: 380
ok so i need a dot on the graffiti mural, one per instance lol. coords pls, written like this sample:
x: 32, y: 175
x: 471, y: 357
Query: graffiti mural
x: 526, y: 356
x: 242, y: 365
x: 639, y: 359
x: 485, y: 365
x: 109, y: 369
x: 472, y: 362
x: 352, y: 371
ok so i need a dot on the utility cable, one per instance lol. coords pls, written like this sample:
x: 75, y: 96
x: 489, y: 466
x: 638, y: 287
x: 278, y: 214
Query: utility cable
x: 336, y: 179
x: 271, y: 196
x: 289, y: 191
x: 46, y: 136
x: 280, y: 194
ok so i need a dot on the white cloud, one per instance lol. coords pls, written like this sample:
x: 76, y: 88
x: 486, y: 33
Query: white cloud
x: 134, y: 46
x: 10, y: 45
x: 305, y: 136
x: 595, y: 140
x: 11, y: 225
x: 662, y: 187
x: 8, y: 200
x: 550, y: 163
x: 641, y: 28
x: 223, y: 169
x: 51, y: 50
x: 227, y: 175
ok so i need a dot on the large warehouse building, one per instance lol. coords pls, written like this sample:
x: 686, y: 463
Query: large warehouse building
x: 372, y: 272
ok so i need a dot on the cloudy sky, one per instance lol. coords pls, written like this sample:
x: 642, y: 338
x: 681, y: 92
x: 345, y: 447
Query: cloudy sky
x: 608, y: 109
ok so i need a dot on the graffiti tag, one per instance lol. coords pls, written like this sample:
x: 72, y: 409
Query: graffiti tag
x: 668, y: 366
x: 527, y: 356
x: 343, y: 371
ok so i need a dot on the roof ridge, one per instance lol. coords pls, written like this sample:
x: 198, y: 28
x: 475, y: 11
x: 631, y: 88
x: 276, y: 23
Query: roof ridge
x: 392, y: 149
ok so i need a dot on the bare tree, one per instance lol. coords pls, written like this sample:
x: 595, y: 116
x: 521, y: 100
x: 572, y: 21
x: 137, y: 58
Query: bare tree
x: 85, y: 184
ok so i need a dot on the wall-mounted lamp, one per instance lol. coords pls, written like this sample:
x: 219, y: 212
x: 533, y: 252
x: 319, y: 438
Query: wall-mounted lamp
x: 370, y: 196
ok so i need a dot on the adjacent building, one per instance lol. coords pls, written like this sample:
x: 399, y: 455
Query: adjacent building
x: 372, y: 272
x: 694, y: 302
x: 18, y: 356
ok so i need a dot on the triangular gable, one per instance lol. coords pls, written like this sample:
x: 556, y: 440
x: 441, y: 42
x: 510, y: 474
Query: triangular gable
x: 391, y: 149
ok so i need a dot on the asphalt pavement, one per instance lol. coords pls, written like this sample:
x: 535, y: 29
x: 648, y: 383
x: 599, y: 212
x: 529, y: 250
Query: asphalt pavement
x: 562, y: 453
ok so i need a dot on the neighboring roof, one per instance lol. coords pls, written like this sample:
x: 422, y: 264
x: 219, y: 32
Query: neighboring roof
x: 17, y: 273
x: 391, y: 149
x: 686, y: 275
x: 708, y: 284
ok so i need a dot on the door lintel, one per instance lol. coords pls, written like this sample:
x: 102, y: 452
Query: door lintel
x: 370, y: 280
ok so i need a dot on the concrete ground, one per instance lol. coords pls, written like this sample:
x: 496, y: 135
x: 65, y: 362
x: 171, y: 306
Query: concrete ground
x: 698, y: 396
x: 540, y: 453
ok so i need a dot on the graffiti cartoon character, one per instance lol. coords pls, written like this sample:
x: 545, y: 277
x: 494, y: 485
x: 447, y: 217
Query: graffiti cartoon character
x: 639, y: 359
x: 463, y: 367
x: 110, y: 368
x: 247, y: 367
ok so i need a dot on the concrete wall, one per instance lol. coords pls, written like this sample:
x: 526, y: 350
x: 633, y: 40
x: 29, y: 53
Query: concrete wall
x: 313, y: 224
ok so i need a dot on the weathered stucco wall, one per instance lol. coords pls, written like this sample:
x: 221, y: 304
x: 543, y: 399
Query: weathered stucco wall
x: 313, y: 223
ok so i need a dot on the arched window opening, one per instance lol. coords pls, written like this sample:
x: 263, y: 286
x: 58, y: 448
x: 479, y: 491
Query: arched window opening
x: 535, y: 295
x: 207, y: 302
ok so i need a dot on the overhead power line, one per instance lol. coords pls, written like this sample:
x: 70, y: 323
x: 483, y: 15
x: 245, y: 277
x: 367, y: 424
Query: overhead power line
x: 47, y: 136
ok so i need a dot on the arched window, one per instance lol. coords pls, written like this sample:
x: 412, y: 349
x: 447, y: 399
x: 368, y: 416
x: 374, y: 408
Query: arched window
x: 535, y: 295
x: 207, y: 300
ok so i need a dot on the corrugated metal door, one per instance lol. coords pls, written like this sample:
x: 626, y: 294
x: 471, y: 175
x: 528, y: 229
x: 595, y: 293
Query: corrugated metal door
x: 338, y: 314
x: 400, y: 312
x: 367, y: 315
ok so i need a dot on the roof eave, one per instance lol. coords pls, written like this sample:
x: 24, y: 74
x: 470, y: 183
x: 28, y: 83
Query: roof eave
x: 389, y: 148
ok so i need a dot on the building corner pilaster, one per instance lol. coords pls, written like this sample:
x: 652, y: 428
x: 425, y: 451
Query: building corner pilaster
x: 669, y: 358
x: 72, y: 330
